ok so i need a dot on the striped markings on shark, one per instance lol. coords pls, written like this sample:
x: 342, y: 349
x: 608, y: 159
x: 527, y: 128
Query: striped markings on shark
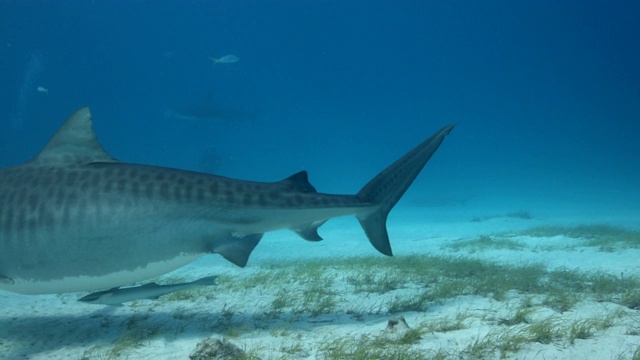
x: 76, y: 219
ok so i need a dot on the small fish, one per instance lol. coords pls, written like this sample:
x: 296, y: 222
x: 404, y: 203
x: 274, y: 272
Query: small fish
x: 152, y: 291
x: 6, y: 280
x: 227, y: 59
x: 43, y: 89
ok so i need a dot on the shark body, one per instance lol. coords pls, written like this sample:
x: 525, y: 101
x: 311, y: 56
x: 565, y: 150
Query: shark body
x: 75, y: 219
x: 208, y: 110
x: 209, y: 113
x: 152, y: 291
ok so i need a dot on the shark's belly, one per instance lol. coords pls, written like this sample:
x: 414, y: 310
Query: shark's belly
x: 77, y: 283
x: 84, y: 253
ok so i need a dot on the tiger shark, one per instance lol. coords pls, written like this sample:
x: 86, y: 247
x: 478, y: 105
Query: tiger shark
x: 208, y: 110
x: 75, y: 219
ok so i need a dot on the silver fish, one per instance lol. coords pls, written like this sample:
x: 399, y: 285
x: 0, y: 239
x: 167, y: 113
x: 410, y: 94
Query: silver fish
x: 227, y: 59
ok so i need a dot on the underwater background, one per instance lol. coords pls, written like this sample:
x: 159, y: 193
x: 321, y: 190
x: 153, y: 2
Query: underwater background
x: 546, y: 94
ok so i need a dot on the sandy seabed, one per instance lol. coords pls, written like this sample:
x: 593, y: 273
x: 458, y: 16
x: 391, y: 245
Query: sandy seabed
x: 501, y: 284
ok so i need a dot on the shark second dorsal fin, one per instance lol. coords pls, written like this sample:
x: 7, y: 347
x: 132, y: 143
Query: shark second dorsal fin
x: 74, y: 143
x: 299, y: 182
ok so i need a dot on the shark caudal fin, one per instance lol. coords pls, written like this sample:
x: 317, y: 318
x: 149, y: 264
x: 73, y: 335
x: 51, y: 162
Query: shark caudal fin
x: 388, y: 186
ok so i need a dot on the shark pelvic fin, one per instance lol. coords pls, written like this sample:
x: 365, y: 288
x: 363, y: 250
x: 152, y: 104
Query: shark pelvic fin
x: 309, y: 232
x: 74, y: 143
x: 237, y: 247
x: 384, y: 190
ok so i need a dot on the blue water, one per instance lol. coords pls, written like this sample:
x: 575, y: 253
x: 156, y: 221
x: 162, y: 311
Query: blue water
x: 547, y: 93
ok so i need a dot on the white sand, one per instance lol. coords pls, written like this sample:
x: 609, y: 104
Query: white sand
x: 51, y: 326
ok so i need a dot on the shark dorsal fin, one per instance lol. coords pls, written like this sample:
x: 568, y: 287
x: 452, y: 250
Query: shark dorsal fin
x: 74, y: 143
x: 298, y: 181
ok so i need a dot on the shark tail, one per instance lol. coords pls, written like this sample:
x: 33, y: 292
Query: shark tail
x: 386, y: 188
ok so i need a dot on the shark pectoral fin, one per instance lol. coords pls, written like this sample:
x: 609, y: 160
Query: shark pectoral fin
x: 309, y: 232
x: 6, y: 280
x: 236, y: 247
